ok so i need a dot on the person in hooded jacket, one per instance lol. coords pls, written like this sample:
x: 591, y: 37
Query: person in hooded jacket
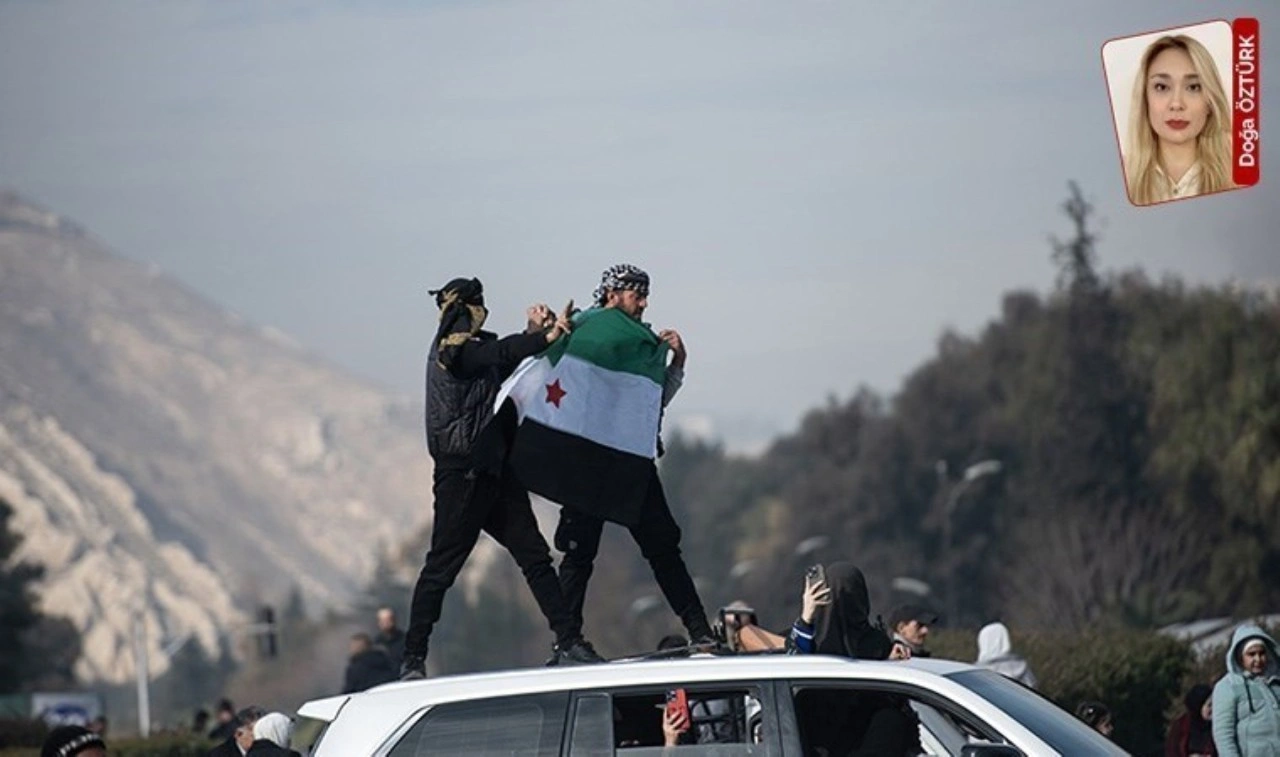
x: 1191, y: 733
x: 995, y: 651
x: 1246, y: 701
x: 835, y: 620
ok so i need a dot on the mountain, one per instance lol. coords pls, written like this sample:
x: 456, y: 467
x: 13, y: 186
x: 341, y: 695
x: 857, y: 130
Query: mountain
x: 164, y: 457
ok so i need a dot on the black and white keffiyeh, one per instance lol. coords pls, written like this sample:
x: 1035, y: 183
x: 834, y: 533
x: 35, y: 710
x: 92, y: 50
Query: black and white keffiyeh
x: 621, y: 276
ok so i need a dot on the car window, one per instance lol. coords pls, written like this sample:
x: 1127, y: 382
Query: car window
x: 525, y: 726
x: 307, y: 734
x: 725, y: 720
x: 1055, y: 726
x: 842, y: 718
x: 943, y: 732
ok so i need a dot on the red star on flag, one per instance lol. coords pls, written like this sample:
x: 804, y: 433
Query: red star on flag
x: 555, y: 392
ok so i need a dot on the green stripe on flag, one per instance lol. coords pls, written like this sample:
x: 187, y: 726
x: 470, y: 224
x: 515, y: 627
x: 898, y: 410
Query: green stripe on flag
x: 613, y: 340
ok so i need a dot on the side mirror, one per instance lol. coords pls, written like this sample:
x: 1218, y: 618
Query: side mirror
x: 989, y: 750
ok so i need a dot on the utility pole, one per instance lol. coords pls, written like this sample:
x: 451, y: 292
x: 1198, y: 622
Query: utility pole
x: 140, y: 668
x: 953, y: 492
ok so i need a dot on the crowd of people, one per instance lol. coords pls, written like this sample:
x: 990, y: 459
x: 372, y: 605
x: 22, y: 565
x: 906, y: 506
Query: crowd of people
x: 476, y: 490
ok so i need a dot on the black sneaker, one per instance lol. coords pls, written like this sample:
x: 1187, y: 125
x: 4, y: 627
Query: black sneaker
x: 413, y: 669
x: 577, y: 652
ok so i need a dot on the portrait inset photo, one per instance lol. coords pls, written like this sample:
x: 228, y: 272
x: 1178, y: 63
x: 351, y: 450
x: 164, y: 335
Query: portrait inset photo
x: 1171, y: 99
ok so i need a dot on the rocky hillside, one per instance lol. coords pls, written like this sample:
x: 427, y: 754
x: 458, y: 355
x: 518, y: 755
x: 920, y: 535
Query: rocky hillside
x: 165, y: 457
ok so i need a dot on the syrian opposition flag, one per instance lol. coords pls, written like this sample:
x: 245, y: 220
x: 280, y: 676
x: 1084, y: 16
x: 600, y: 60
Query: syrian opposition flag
x: 589, y: 409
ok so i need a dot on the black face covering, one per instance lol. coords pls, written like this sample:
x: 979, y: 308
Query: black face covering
x: 843, y: 627
x: 462, y: 314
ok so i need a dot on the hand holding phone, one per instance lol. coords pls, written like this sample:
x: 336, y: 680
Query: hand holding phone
x: 678, y: 706
x: 675, y: 717
x: 816, y: 593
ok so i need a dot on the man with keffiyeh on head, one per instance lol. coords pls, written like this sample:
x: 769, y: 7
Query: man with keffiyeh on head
x: 472, y: 487
x: 626, y: 288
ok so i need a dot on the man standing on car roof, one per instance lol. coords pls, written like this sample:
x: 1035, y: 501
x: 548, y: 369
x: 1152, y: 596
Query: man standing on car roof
x: 472, y: 488
x: 626, y: 288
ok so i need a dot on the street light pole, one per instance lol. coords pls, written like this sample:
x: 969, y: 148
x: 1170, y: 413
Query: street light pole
x: 140, y: 670
x: 972, y: 473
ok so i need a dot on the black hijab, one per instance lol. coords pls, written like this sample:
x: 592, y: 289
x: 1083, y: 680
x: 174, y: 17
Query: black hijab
x: 843, y: 627
x: 462, y: 313
x: 1199, y: 730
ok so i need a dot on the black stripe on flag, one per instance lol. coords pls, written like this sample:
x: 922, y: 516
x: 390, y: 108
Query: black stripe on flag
x: 576, y: 472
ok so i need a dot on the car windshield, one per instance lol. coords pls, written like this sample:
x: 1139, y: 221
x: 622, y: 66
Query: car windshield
x: 1052, y: 724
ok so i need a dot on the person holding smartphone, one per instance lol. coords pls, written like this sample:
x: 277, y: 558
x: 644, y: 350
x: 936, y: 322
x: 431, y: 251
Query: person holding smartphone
x: 676, y: 720
x: 834, y: 616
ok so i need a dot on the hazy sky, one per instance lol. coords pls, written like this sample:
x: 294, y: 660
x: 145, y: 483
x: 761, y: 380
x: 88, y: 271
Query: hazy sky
x: 817, y: 188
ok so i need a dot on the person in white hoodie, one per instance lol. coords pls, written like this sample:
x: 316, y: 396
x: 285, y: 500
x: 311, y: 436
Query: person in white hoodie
x: 995, y: 651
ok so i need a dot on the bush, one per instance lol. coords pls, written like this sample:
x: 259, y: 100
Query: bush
x: 160, y: 746
x: 1138, y: 674
x: 21, y: 732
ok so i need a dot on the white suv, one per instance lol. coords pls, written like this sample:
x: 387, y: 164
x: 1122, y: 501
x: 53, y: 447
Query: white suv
x: 744, y: 705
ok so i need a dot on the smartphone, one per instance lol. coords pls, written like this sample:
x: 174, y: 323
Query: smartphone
x: 815, y: 574
x: 738, y: 616
x: 677, y: 702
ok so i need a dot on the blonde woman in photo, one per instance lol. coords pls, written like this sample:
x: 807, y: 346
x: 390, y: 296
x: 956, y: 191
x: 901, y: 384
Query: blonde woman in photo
x: 1179, y: 125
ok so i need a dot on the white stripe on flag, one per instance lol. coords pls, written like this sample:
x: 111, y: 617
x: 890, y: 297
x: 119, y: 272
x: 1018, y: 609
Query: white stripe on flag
x: 611, y: 408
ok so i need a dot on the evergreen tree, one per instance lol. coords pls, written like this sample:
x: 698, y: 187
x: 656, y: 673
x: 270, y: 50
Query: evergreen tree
x: 18, y: 605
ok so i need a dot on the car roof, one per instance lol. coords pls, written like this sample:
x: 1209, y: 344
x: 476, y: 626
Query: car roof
x: 406, y: 697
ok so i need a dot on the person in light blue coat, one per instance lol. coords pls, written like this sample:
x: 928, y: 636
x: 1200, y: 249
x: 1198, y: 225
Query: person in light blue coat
x: 1246, y: 701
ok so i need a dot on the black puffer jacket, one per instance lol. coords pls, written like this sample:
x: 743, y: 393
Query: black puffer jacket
x: 460, y: 402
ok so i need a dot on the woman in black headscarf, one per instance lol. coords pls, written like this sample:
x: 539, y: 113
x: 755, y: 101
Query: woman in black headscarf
x: 835, y: 618
x: 1191, y: 734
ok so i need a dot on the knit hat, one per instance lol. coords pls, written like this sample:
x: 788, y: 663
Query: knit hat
x: 70, y: 740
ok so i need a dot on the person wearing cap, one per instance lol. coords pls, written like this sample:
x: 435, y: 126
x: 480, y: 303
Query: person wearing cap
x: 626, y: 288
x: 472, y: 488
x: 73, y: 741
x: 1246, y: 701
x: 910, y: 625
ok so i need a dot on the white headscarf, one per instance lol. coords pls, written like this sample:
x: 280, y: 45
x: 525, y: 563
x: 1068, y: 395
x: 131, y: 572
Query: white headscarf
x: 275, y: 727
x: 993, y: 642
x: 995, y: 651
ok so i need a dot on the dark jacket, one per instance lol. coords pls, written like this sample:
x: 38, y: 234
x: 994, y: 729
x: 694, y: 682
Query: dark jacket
x: 223, y: 731
x: 459, y: 402
x: 393, y: 642
x: 1183, y: 740
x: 265, y: 748
x: 227, y: 748
x: 1190, y: 733
x: 367, y: 669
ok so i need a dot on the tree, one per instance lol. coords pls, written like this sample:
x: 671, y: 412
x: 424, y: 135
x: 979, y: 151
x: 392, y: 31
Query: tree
x: 35, y: 649
x: 1138, y: 427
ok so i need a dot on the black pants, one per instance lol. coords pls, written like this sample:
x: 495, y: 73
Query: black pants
x: 465, y: 504
x: 657, y: 535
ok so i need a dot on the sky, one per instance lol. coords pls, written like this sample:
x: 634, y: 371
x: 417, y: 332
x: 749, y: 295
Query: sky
x: 818, y: 189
